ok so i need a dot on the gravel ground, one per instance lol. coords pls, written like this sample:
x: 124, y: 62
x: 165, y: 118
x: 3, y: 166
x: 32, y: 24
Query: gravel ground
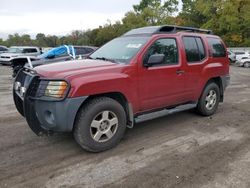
x: 179, y: 150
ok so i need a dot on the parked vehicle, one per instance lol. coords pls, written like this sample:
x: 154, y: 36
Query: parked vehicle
x: 241, y: 54
x: 231, y: 56
x: 59, y: 54
x: 3, y: 49
x: 244, y: 62
x: 15, y: 51
x: 145, y: 70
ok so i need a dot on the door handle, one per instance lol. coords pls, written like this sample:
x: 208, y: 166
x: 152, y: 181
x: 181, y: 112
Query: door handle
x: 180, y: 72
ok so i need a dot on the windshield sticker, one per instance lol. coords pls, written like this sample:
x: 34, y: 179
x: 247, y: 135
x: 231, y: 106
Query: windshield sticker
x: 134, y: 45
x: 125, y: 57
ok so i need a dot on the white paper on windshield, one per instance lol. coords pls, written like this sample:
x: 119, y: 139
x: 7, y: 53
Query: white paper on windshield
x: 134, y: 45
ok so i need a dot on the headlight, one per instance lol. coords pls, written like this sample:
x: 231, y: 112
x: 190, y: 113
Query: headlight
x: 56, y: 89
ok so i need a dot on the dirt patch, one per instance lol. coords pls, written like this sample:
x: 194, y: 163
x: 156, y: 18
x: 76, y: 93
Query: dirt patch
x: 179, y: 150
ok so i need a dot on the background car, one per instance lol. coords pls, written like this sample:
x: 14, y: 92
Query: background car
x: 231, y: 56
x: 59, y: 54
x: 244, y: 62
x: 15, y: 51
x: 3, y: 49
x: 241, y: 54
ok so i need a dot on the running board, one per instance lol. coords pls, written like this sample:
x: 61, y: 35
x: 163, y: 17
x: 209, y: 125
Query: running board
x: 164, y: 112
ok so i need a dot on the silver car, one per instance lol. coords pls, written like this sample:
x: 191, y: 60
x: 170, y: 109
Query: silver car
x: 17, y: 51
x: 243, y: 62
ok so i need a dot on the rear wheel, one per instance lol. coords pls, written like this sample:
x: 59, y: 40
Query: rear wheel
x: 209, y: 100
x: 100, y: 124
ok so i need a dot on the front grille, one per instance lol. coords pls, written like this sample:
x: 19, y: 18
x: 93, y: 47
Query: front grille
x: 33, y: 88
x: 21, y: 77
x: 23, y: 81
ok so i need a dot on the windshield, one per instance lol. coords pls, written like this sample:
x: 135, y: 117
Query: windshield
x: 15, y: 50
x: 120, y: 50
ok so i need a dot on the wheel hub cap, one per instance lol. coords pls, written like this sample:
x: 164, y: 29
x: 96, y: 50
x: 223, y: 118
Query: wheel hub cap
x: 211, y: 99
x: 104, y: 126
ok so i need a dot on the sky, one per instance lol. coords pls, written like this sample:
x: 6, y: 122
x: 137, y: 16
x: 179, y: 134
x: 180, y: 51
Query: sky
x: 58, y: 17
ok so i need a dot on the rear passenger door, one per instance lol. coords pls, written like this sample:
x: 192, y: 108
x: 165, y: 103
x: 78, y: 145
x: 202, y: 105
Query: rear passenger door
x: 198, y: 58
x: 195, y: 58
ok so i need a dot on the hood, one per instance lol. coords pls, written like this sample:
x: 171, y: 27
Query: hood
x: 10, y: 54
x: 73, y: 68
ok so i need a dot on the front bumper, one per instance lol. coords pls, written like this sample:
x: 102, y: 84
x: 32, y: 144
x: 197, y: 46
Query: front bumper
x: 44, y: 116
x: 5, y: 61
x: 239, y: 63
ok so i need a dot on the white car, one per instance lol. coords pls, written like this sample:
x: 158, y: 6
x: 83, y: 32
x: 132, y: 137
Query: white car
x: 244, y: 62
x: 16, y: 51
x: 231, y: 56
x: 241, y: 54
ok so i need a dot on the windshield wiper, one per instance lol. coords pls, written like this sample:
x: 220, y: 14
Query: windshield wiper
x: 106, y: 59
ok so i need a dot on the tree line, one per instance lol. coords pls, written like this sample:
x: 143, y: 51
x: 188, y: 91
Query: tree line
x: 229, y: 19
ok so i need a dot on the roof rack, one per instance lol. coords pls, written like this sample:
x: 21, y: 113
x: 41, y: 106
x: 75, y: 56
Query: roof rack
x: 165, y: 29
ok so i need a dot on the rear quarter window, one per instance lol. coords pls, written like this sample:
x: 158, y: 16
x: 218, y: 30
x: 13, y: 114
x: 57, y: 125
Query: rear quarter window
x: 218, y: 49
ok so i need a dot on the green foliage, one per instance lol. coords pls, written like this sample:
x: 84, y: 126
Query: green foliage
x: 154, y: 12
x: 229, y: 19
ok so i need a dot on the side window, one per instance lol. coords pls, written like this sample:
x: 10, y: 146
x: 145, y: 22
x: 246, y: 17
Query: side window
x: 80, y: 51
x: 239, y: 53
x: 2, y: 49
x: 32, y: 50
x: 218, y: 50
x: 89, y: 50
x: 25, y: 51
x: 29, y: 50
x: 200, y: 48
x: 166, y: 46
x: 194, y: 49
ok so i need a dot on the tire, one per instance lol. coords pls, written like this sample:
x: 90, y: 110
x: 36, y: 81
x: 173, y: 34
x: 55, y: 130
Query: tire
x: 246, y: 64
x: 101, y: 115
x: 15, y: 71
x: 209, y: 100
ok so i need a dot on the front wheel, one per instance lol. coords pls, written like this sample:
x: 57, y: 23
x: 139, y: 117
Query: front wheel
x: 209, y: 100
x: 246, y: 64
x: 100, y: 124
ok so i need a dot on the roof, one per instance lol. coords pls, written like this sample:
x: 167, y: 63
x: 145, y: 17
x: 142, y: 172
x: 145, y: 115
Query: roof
x: 3, y: 46
x: 151, y: 30
x: 24, y: 47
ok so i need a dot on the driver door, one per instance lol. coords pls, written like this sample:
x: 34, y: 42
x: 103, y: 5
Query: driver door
x: 161, y: 85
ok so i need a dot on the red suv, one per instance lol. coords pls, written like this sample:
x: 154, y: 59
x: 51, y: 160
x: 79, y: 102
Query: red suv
x: 145, y: 70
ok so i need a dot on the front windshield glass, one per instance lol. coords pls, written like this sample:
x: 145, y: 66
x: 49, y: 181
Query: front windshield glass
x: 15, y: 50
x: 120, y: 50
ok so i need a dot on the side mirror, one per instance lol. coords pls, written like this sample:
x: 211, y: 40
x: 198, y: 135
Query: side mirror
x: 155, y: 60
